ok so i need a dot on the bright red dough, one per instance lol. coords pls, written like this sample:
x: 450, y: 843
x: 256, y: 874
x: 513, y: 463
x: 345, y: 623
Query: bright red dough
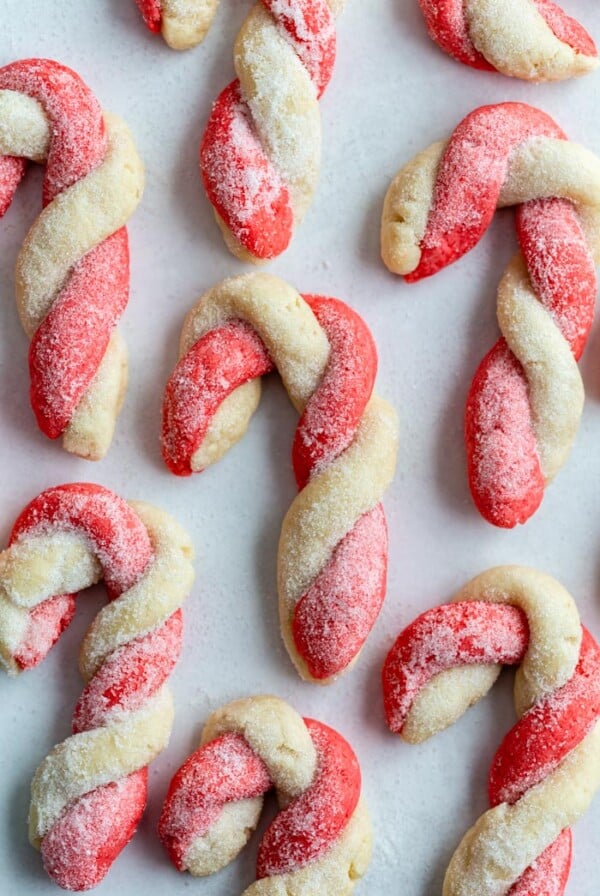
x: 86, y: 839
x: 227, y: 770
x: 505, y: 475
x: 475, y: 633
x: 448, y: 27
x: 68, y: 347
x: 240, y: 180
x: 151, y: 11
x: 334, y: 617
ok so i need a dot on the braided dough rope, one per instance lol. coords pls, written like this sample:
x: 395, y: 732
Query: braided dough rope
x: 530, y: 39
x: 89, y: 794
x: 182, y: 23
x: 547, y: 769
x: 332, y: 560
x: 72, y: 273
x: 260, y: 153
x: 526, y: 399
x: 320, y: 842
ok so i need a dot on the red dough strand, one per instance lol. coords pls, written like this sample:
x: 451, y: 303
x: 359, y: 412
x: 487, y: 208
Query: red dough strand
x: 226, y: 770
x: 453, y: 635
x: 447, y: 26
x: 85, y: 840
x: 566, y: 28
x: 470, y: 177
x: 67, y: 349
x: 241, y: 181
x: 151, y: 11
x: 477, y: 633
x: 225, y: 358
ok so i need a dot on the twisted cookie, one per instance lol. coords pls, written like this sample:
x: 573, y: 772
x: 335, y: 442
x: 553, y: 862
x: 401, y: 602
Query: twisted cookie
x: 182, y: 23
x: 261, y: 149
x: 89, y: 793
x: 530, y: 39
x: 526, y: 400
x: 333, y: 546
x: 320, y: 842
x: 72, y: 274
x: 547, y: 769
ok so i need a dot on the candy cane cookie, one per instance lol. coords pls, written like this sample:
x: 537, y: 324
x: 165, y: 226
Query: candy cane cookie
x: 320, y: 842
x: 72, y: 273
x: 182, y: 23
x: 332, y: 558
x: 89, y: 793
x: 547, y: 769
x: 525, y: 402
x: 530, y: 39
x: 260, y: 153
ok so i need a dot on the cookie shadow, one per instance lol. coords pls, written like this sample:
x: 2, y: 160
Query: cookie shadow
x: 279, y: 431
x: 23, y: 856
x: 368, y: 248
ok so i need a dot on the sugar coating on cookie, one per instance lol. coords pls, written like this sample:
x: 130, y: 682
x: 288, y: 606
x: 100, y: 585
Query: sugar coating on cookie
x: 260, y: 153
x: 547, y: 769
x: 72, y: 272
x: 333, y: 547
x: 530, y: 39
x: 526, y: 399
x: 320, y: 841
x: 89, y: 793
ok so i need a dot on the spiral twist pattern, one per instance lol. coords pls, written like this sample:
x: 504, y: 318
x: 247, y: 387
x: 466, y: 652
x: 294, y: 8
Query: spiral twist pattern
x: 530, y: 39
x: 320, y: 842
x: 333, y: 548
x: 526, y: 399
x: 547, y: 769
x: 260, y: 153
x: 89, y: 793
x: 72, y: 273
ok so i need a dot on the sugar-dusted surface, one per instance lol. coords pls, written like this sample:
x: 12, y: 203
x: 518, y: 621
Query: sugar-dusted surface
x: 393, y: 93
x: 531, y: 39
x: 547, y: 769
x: 526, y: 399
x: 319, y: 841
x: 333, y: 548
x: 89, y: 793
x: 260, y: 152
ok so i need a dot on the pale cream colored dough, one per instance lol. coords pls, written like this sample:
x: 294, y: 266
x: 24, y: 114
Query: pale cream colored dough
x: 185, y: 23
x: 514, y: 37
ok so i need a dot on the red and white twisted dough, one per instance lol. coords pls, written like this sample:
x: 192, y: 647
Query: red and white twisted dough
x: 530, y: 39
x: 261, y: 150
x: 182, y: 23
x: 72, y: 273
x: 332, y: 559
x: 526, y: 399
x: 547, y: 769
x: 320, y: 841
x: 89, y: 793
